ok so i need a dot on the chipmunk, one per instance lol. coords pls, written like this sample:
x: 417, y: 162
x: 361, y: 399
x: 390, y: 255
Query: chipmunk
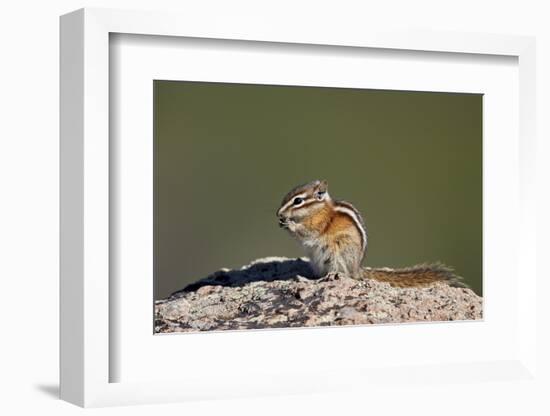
x: 334, y: 236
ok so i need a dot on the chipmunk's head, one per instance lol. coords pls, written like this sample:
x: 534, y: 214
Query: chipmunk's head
x: 303, y: 201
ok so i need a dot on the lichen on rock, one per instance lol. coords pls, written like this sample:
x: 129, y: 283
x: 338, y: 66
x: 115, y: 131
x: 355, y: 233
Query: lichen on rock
x: 277, y: 292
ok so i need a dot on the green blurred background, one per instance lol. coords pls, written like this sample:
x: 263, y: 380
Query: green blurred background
x: 226, y: 154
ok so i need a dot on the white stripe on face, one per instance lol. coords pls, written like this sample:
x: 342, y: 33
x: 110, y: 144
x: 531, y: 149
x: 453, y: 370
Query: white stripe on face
x: 290, y: 202
x: 355, y: 218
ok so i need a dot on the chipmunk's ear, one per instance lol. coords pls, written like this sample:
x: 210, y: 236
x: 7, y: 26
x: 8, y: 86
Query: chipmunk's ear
x: 321, y: 190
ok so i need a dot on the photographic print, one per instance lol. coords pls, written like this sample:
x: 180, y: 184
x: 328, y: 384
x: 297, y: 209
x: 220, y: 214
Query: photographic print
x: 294, y: 206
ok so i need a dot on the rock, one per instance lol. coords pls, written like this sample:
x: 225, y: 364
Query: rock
x: 277, y: 292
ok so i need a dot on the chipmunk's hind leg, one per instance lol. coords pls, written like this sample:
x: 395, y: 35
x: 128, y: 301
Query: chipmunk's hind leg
x: 346, y: 259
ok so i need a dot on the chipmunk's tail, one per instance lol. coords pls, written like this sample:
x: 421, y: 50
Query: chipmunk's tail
x: 416, y: 276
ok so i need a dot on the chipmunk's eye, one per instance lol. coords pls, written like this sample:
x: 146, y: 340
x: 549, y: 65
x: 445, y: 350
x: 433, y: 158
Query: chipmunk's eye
x: 298, y: 201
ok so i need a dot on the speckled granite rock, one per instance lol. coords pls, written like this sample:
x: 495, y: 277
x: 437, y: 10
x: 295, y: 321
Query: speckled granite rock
x: 277, y: 292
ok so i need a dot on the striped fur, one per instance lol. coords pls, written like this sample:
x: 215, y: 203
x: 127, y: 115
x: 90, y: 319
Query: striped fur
x: 348, y: 209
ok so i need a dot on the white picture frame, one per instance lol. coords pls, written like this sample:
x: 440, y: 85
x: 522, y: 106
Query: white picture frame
x: 86, y: 356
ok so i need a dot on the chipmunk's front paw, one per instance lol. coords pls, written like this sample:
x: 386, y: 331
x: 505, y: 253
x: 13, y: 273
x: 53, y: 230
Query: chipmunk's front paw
x: 293, y: 227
